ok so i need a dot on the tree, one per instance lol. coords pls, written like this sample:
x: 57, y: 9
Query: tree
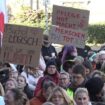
x: 27, y: 16
x: 96, y: 33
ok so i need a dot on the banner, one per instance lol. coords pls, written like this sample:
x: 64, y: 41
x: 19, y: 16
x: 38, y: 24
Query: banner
x: 21, y: 45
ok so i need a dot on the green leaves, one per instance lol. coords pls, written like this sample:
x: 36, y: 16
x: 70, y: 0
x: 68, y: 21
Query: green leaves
x: 96, y: 33
x: 27, y: 16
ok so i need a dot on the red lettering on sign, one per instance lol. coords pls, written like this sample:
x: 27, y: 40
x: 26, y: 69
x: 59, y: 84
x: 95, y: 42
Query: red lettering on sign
x: 68, y: 39
x: 68, y: 14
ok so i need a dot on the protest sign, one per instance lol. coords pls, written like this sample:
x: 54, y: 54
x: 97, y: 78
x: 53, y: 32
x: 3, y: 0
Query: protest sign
x: 70, y: 26
x: 70, y: 17
x: 21, y: 45
x: 64, y: 36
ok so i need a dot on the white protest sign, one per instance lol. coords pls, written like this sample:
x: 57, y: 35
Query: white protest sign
x: 21, y: 45
x: 64, y: 36
x: 70, y: 17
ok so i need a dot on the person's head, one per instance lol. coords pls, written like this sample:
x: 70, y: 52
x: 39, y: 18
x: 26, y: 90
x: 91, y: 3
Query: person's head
x: 64, y: 79
x: 79, y: 60
x: 10, y: 84
x: 13, y: 74
x: 97, y: 73
x: 15, y: 97
x: 67, y: 66
x: 59, y: 97
x: 47, y: 88
x: 95, y: 86
x: 101, y: 56
x: 69, y: 52
x: 21, y: 80
x: 88, y: 67
x: 46, y: 42
x: 81, y: 96
x: 51, y: 68
x: 78, y: 73
x: 48, y: 103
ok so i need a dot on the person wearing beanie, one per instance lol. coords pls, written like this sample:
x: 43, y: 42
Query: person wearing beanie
x: 95, y: 86
x: 50, y: 72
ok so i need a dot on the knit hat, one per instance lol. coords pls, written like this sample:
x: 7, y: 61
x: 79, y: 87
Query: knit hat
x: 94, y: 85
x: 50, y: 62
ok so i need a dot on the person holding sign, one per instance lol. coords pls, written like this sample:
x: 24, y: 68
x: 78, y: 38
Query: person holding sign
x: 48, y: 51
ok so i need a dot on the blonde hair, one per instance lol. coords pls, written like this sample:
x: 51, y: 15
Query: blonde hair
x: 2, y: 93
x: 48, y: 103
x: 65, y: 73
x: 66, y: 97
x: 80, y: 90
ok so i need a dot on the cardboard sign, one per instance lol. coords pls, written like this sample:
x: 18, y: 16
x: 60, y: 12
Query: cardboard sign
x: 64, y: 36
x: 71, y: 26
x: 70, y: 17
x: 21, y: 45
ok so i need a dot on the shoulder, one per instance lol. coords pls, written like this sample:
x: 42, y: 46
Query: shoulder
x: 35, y: 101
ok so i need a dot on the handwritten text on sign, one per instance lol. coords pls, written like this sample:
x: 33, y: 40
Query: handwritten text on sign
x: 70, y: 18
x: 21, y: 45
x: 64, y: 36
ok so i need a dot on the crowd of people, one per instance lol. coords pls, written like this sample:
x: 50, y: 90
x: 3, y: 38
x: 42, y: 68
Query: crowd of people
x: 64, y: 78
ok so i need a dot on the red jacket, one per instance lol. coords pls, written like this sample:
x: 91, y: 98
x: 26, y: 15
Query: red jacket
x: 36, y: 101
x: 54, y: 78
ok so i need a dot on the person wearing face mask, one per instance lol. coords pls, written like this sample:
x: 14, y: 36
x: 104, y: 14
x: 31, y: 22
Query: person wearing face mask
x: 48, y: 51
